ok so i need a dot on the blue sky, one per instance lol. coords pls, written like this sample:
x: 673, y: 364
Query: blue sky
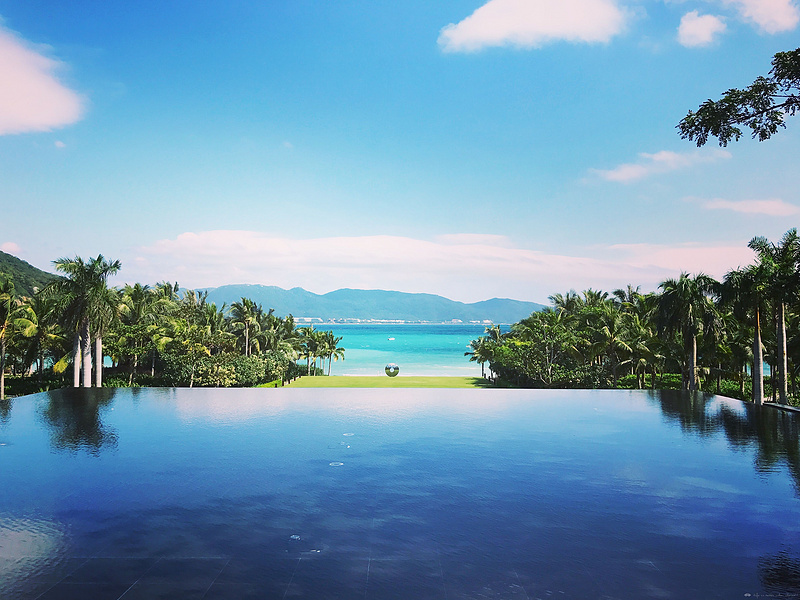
x: 511, y: 148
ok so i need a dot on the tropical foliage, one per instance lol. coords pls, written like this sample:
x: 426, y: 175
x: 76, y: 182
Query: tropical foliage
x: 761, y: 106
x: 694, y: 333
x: 156, y: 335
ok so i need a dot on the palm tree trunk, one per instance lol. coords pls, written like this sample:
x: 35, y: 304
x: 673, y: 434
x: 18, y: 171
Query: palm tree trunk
x: 783, y: 391
x: 772, y: 388
x: 76, y: 360
x: 3, y: 369
x: 98, y: 361
x: 133, y: 369
x: 86, y: 354
x: 693, y: 365
x: 758, y: 364
x: 742, y: 375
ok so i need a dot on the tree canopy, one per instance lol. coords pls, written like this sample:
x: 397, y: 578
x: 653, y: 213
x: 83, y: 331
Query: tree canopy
x: 761, y: 106
x: 695, y: 333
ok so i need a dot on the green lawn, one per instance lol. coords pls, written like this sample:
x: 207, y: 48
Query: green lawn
x: 341, y: 381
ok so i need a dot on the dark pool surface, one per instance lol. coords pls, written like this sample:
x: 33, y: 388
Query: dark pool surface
x: 407, y: 494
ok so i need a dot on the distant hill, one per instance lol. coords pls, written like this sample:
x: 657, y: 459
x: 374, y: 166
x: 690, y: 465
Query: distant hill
x: 25, y: 275
x: 373, y: 304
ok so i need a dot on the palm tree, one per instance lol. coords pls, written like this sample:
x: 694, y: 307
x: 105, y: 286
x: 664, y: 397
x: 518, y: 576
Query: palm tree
x: 215, y: 319
x: 9, y: 306
x: 682, y: 307
x: 140, y: 307
x: 85, y: 302
x: 310, y: 341
x: 569, y: 303
x: 745, y: 291
x: 480, y: 353
x: 38, y: 323
x: 167, y: 291
x: 245, y: 318
x: 643, y: 346
x: 332, y: 349
x: 608, y: 337
x: 594, y: 298
x: 626, y: 297
x: 783, y: 260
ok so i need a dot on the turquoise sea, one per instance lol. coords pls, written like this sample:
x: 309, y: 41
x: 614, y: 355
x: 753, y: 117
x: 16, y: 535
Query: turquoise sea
x: 430, y: 349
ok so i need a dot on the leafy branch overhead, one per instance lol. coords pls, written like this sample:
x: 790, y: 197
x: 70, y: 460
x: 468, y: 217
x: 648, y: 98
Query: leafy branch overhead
x: 760, y: 106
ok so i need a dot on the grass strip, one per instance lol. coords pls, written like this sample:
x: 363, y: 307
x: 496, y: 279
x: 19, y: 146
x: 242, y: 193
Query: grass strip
x: 344, y: 381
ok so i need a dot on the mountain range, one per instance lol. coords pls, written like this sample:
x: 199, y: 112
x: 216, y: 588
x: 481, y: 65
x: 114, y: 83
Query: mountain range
x: 379, y: 305
x: 344, y: 304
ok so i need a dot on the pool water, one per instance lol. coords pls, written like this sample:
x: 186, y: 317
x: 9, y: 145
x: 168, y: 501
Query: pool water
x: 394, y: 493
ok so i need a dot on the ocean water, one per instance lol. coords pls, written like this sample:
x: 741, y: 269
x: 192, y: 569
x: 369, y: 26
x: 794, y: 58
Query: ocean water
x: 417, y: 349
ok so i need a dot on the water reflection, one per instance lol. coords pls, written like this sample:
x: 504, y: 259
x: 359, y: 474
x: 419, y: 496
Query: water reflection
x: 5, y: 410
x: 780, y: 574
x: 28, y: 547
x: 772, y: 432
x: 74, y: 419
x: 690, y: 411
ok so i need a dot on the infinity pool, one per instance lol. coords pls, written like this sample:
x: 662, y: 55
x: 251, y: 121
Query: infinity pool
x: 408, y: 494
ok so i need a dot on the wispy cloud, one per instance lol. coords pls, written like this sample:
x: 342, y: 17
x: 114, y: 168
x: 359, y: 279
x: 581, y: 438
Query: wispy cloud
x: 465, y: 267
x: 712, y: 259
x: 771, y: 16
x: 659, y: 162
x: 476, y: 239
x: 31, y: 96
x: 532, y: 23
x: 772, y: 208
x: 699, y: 30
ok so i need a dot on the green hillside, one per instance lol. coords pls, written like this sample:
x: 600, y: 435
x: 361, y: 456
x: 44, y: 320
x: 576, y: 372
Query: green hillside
x: 25, y: 276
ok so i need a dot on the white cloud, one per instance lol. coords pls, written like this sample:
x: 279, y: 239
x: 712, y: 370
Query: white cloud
x: 59, y: 144
x: 31, y: 96
x: 696, y: 30
x: 660, y: 162
x: 531, y: 23
x: 772, y: 208
x: 467, y: 268
x: 771, y: 16
x: 11, y: 248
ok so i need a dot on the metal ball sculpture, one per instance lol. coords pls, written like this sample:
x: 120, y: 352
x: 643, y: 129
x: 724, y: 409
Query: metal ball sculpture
x: 392, y: 370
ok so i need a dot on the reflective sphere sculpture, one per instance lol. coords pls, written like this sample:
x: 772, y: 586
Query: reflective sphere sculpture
x: 392, y: 370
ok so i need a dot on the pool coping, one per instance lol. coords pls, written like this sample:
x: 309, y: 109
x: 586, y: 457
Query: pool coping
x: 783, y: 406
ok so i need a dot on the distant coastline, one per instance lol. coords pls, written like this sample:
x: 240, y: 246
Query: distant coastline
x: 374, y: 306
